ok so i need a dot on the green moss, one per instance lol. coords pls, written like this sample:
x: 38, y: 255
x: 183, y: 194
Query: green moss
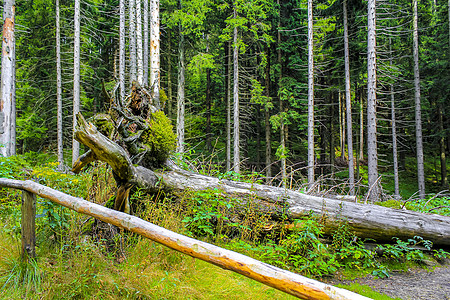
x: 159, y: 139
x: 390, y: 203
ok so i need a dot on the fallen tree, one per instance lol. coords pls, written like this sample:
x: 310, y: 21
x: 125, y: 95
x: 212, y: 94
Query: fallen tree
x: 366, y: 221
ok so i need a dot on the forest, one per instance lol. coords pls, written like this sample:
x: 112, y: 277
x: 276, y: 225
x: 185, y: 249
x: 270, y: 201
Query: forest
x: 270, y: 128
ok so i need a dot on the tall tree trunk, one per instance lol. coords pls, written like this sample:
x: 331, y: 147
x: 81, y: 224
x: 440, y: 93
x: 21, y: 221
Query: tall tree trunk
x: 132, y: 37
x: 122, y: 51
x: 208, y: 102
x: 180, y: 91
x: 342, y: 126
x: 145, y: 52
x: 169, y: 78
x: 311, y: 164
x: 394, y: 135
x: 418, y: 117
x: 444, y: 179
x: 282, y: 124
x: 373, y: 191
x: 361, y: 126
x: 7, y: 80
x: 267, y: 120
x: 139, y: 42
x: 332, y: 150
x: 236, y: 152
x: 154, y: 51
x: 59, y: 113
x: 348, y: 102
x: 228, y: 95
x: 76, y: 78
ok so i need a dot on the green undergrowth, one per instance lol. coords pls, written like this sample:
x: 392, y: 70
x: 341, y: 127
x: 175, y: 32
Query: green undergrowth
x: 79, y: 257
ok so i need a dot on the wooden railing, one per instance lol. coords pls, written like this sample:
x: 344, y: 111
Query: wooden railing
x: 283, y: 280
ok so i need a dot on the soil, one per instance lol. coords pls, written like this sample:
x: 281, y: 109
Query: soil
x: 415, y: 284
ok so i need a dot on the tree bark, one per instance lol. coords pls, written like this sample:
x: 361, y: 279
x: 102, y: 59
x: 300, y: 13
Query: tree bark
x: 122, y: 51
x: 418, y: 108
x: 180, y: 91
x: 282, y: 123
x: 208, y: 103
x: 394, y: 135
x: 59, y: 114
x: 236, y: 125
x: 139, y: 42
x: 267, y: 119
x: 76, y: 78
x: 348, y: 102
x: 371, y: 104
x: 28, y: 225
x: 146, y: 49
x: 132, y: 38
x: 444, y: 179
x: 155, y: 72
x: 228, y: 95
x: 311, y: 164
x: 169, y: 79
x: 7, y: 81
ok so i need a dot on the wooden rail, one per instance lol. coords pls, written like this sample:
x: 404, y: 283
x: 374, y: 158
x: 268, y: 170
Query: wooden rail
x: 291, y: 283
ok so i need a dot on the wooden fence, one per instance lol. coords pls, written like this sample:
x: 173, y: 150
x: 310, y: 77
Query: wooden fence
x: 294, y: 284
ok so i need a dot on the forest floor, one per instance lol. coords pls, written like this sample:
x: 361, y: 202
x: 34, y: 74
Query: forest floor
x: 414, y: 284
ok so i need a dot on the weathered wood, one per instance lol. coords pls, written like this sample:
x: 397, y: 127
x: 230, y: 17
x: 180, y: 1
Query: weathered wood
x: 283, y: 280
x: 28, y: 225
x: 366, y: 221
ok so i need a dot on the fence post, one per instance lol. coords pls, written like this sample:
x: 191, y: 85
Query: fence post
x: 28, y: 225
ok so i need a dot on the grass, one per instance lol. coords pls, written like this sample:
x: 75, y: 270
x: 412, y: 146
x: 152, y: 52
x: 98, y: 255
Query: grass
x: 365, y: 290
x: 147, y: 271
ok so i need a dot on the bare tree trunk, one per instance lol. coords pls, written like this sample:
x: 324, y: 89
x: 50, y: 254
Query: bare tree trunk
x: 361, y: 127
x: 394, y: 135
x: 59, y: 114
x: 371, y: 104
x: 154, y: 51
x: 132, y: 38
x: 332, y: 150
x: 236, y: 152
x: 208, y: 102
x: 444, y: 179
x: 348, y: 101
x: 267, y: 121
x: 122, y: 51
x: 76, y: 78
x: 343, y: 127
x: 139, y: 42
x: 169, y: 79
x: 145, y: 52
x: 228, y: 94
x: 180, y: 92
x: 282, y: 123
x: 7, y: 80
x: 418, y: 118
x: 311, y: 163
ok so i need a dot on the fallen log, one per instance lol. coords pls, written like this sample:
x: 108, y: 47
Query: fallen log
x: 365, y: 220
x: 291, y: 283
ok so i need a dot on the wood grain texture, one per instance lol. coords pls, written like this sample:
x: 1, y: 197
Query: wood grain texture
x: 28, y: 225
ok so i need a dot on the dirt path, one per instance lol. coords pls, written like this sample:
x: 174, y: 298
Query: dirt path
x: 416, y: 284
